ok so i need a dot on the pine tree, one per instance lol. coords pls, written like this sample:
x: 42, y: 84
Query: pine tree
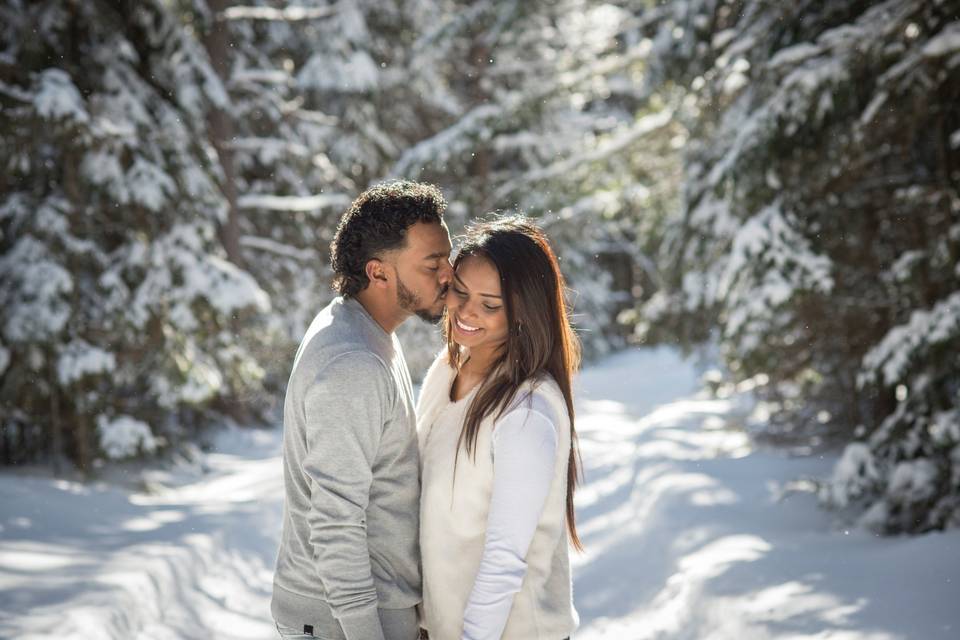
x: 820, y: 230
x: 120, y: 315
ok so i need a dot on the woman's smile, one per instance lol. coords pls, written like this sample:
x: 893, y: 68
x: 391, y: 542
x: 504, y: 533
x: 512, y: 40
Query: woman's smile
x: 464, y: 328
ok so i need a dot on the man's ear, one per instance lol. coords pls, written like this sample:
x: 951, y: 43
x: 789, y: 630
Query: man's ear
x: 377, y: 273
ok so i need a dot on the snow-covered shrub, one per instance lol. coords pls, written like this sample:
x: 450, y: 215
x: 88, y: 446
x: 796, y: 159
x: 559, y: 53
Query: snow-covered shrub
x: 854, y: 477
x: 124, y: 437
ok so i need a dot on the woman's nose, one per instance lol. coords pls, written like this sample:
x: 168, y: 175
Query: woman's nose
x: 468, y: 309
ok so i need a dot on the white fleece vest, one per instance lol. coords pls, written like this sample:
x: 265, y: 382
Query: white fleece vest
x: 453, y: 518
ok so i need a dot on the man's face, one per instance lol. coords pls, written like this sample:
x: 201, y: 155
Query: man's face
x: 424, y: 271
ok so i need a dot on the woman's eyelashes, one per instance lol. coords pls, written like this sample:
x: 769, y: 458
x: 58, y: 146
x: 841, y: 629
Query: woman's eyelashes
x: 463, y: 295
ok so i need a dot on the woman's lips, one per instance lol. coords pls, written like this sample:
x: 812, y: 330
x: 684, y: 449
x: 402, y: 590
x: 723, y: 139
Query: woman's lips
x: 465, y: 328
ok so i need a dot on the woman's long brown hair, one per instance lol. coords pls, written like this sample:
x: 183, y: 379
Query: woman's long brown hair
x: 540, y: 339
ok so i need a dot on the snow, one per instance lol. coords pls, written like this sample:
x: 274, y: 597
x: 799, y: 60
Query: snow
x: 737, y: 79
x: 197, y: 183
x: 204, y: 379
x: 124, y: 436
x: 925, y: 329
x: 722, y: 38
x: 871, y: 111
x: 277, y: 248
x: 103, y: 169
x: 944, y: 426
x: 913, y: 480
x: 226, y: 286
x: 794, y: 55
x: 902, y: 267
x: 853, y: 475
x: 293, y: 203
x: 123, y: 108
x: 269, y: 150
x: 690, y: 532
x: 149, y: 184
x: 357, y: 73
x: 222, y: 284
x: 37, y: 309
x: 57, y: 98
x: 447, y: 143
x: 768, y: 237
x: 265, y: 76
x: 616, y: 143
x: 945, y: 42
x: 269, y: 13
x: 79, y: 358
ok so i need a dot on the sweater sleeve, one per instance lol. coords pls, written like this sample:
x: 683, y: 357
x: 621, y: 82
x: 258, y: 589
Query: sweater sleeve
x: 345, y: 408
x: 524, y: 449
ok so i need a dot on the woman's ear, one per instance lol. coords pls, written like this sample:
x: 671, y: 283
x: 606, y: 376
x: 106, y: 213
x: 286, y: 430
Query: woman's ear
x: 377, y: 273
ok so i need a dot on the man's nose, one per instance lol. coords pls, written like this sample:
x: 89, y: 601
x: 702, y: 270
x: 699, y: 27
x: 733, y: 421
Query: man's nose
x: 446, y: 272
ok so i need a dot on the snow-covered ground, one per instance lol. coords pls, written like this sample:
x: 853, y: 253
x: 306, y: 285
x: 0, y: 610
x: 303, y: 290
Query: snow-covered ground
x: 689, y: 535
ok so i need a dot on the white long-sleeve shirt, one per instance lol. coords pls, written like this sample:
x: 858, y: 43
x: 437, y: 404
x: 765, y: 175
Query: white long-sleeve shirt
x: 483, y: 573
x: 524, y: 452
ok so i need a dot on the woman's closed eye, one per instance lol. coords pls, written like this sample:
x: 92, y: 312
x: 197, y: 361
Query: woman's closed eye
x: 463, y: 294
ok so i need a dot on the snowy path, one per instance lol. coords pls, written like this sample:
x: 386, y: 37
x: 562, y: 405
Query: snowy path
x: 189, y: 560
x: 685, y: 538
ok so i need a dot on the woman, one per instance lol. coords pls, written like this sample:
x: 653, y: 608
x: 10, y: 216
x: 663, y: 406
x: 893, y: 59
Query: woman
x: 498, y: 447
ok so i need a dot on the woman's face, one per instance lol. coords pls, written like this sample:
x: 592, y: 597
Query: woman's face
x: 478, y: 318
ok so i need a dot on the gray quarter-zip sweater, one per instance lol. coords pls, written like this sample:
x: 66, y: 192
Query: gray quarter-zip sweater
x: 349, y: 565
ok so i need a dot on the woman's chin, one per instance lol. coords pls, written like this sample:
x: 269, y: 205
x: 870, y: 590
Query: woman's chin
x: 464, y: 339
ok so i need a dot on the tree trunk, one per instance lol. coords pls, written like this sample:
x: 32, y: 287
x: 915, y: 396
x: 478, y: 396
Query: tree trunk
x: 56, y: 429
x: 216, y: 41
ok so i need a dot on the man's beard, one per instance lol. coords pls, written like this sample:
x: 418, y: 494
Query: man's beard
x: 410, y: 301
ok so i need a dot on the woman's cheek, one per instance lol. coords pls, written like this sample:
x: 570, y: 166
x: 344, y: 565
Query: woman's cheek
x: 500, y: 323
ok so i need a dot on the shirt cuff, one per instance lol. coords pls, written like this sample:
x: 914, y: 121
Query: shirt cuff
x: 362, y: 625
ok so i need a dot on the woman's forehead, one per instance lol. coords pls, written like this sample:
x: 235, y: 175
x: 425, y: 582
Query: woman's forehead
x: 480, y: 273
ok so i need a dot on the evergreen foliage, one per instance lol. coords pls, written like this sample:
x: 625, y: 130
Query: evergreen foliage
x: 121, y: 319
x: 819, y: 235
x: 781, y: 179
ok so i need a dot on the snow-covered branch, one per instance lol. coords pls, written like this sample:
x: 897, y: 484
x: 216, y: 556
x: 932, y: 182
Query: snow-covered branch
x: 272, y: 246
x: 287, y: 14
x: 293, y: 203
x: 618, y: 143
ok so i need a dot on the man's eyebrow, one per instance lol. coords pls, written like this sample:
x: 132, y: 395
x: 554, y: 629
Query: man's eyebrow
x: 488, y: 295
x: 439, y: 254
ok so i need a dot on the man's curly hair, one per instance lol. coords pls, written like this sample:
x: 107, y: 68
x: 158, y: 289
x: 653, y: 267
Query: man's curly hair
x: 377, y: 221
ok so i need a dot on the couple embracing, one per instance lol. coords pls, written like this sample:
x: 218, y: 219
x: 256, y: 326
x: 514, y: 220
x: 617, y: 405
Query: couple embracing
x: 453, y: 520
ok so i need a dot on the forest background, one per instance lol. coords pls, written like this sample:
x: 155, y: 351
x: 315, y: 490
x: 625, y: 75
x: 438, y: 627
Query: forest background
x: 777, y: 182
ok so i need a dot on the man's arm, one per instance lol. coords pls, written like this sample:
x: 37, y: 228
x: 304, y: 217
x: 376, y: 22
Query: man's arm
x: 345, y: 408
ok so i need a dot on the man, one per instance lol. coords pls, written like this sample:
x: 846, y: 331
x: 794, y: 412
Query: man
x: 349, y: 562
